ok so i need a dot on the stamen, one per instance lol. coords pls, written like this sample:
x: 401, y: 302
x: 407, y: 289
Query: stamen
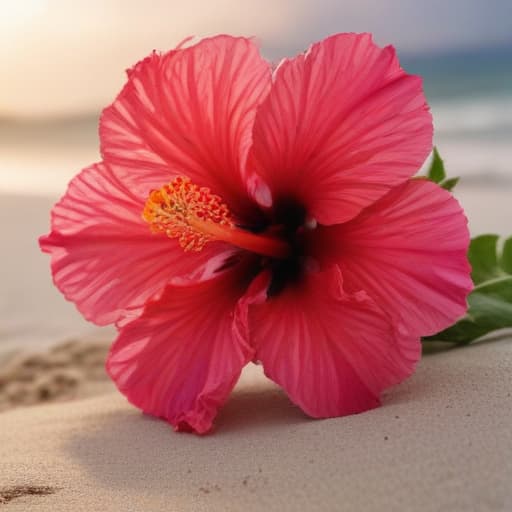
x: 196, y: 216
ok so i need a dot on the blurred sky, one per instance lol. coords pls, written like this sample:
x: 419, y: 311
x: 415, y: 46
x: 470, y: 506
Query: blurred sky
x: 63, y: 58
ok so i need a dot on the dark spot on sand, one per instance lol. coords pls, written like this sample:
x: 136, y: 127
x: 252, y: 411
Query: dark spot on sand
x: 8, y: 494
x: 208, y: 489
x: 386, y: 438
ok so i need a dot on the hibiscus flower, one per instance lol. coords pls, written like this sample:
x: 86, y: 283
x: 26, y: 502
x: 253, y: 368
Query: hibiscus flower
x: 241, y: 213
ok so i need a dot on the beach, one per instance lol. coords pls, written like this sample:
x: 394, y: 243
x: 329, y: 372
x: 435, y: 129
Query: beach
x: 32, y: 312
x: 329, y: 106
x: 441, y: 440
x: 69, y: 441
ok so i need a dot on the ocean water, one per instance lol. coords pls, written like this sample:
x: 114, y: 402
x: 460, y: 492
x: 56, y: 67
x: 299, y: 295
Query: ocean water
x: 470, y: 94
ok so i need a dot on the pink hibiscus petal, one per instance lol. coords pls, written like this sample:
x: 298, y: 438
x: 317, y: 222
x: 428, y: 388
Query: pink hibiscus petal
x: 408, y: 252
x: 342, y: 125
x: 332, y: 352
x: 104, y: 256
x: 182, y: 357
x: 189, y: 112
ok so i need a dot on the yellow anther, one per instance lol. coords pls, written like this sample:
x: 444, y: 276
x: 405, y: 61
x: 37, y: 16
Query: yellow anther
x: 184, y: 211
x: 195, y: 216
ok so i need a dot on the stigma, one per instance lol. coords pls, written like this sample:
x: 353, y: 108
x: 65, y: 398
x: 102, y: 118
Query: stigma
x: 195, y: 216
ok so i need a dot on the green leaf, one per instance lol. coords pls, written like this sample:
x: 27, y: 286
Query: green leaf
x: 506, y: 256
x: 490, y: 303
x: 490, y: 309
x: 436, y: 173
x: 483, y: 257
x: 450, y: 183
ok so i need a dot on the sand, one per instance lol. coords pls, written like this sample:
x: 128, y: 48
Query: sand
x: 441, y: 442
x: 33, y: 313
x: 67, y: 371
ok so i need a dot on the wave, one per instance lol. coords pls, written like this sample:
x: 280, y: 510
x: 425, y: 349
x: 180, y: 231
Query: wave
x: 486, y: 116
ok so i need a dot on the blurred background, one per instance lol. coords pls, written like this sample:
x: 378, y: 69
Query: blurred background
x: 61, y: 62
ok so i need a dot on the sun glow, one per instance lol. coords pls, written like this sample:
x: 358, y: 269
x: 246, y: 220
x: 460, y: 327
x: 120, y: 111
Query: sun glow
x: 15, y: 14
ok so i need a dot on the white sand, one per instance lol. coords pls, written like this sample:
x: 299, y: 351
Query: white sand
x: 441, y: 442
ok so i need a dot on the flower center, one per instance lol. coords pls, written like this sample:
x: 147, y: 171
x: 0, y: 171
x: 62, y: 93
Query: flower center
x: 196, y: 216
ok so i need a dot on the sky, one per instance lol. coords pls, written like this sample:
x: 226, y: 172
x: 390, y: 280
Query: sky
x: 63, y: 58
